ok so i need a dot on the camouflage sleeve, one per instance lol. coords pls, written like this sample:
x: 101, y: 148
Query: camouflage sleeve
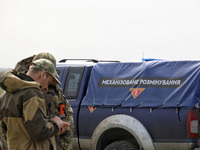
x: 66, y: 137
x: 35, y: 121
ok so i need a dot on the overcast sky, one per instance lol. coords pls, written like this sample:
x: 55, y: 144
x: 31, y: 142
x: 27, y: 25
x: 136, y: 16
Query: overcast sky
x: 124, y: 30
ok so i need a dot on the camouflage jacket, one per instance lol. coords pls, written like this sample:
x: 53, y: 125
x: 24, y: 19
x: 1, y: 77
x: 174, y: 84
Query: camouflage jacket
x: 23, y: 115
x: 55, y: 98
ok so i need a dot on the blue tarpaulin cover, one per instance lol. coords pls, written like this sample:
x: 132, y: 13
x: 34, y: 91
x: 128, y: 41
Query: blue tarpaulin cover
x: 144, y: 84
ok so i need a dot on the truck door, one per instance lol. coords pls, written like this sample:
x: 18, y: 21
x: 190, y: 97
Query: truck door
x: 71, y: 88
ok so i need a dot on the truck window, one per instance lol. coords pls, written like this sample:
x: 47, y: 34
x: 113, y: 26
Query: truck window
x: 73, y: 81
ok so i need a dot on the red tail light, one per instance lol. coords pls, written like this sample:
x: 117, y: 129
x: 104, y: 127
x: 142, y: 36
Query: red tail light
x: 192, y: 124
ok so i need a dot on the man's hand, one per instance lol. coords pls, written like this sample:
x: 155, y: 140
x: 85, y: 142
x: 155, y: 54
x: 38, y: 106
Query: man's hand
x: 61, y: 125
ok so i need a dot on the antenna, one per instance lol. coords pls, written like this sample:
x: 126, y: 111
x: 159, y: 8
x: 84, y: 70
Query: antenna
x: 142, y: 55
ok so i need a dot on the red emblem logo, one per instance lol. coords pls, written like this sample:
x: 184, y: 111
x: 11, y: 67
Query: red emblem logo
x: 136, y: 91
x: 91, y: 108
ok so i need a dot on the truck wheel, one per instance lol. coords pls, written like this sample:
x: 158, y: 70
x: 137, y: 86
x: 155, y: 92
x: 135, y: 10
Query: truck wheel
x: 121, y: 145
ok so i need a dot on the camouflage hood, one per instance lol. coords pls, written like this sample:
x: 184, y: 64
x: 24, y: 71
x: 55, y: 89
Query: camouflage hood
x: 11, y: 83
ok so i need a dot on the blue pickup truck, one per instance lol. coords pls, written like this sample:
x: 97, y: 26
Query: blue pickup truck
x: 149, y: 105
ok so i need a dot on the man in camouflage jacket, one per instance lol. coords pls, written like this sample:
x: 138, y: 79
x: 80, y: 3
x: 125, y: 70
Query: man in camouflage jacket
x: 54, y: 96
x: 23, y: 109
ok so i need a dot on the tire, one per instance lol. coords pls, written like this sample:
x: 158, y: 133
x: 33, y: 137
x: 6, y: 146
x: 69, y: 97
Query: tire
x: 121, y: 145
